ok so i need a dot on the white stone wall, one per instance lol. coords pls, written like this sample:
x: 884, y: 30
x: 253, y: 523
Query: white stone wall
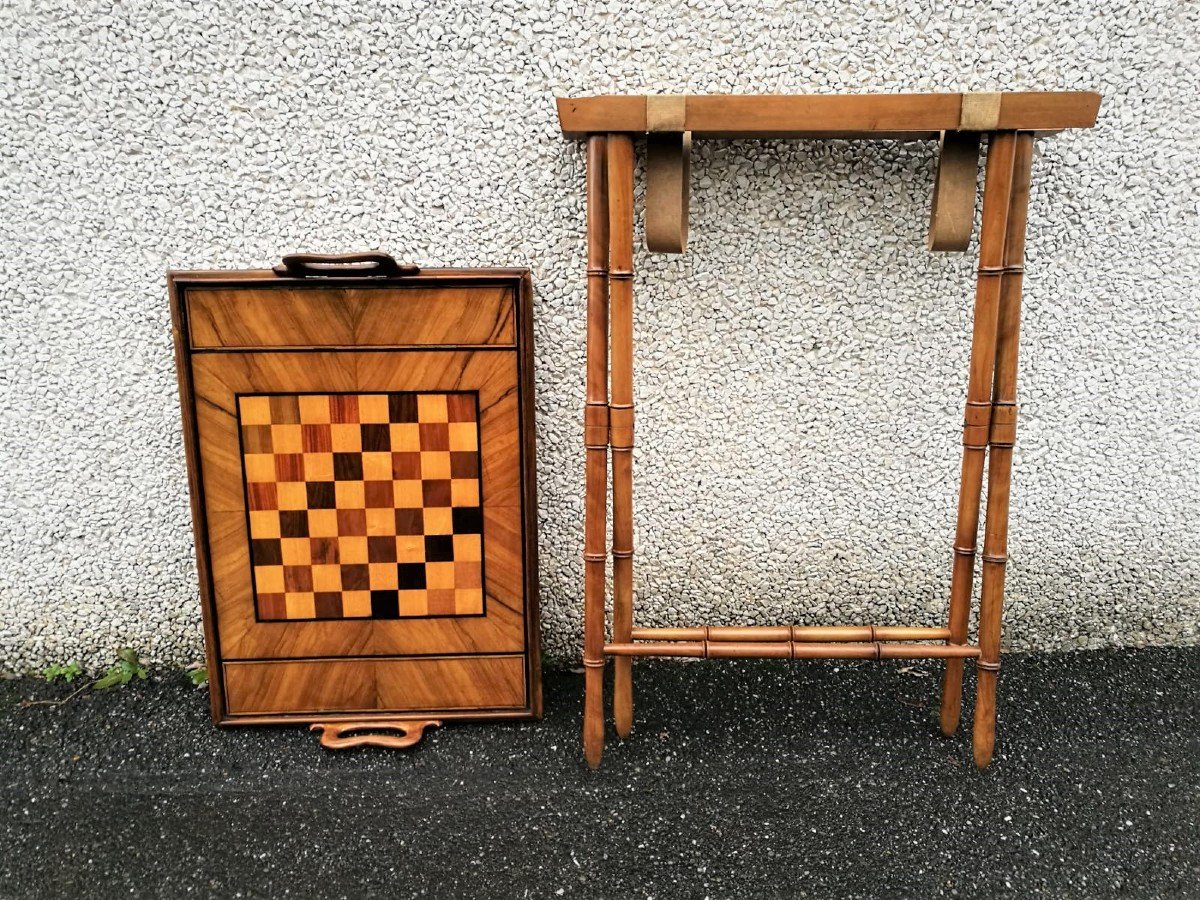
x: 802, y: 368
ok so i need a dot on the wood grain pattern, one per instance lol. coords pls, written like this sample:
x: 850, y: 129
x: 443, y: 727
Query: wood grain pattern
x: 885, y: 116
x: 980, y: 112
x: 219, y: 378
x: 355, y: 685
x: 367, y: 316
x: 267, y: 660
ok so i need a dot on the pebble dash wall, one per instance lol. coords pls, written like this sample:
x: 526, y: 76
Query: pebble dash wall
x: 802, y: 368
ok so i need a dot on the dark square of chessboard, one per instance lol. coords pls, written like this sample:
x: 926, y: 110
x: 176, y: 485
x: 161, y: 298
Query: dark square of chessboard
x: 381, y: 549
x: 356, y: 577
x: 464, y: 464
x: 324, y: 551
x: 402, y: 408
x: 376, y: 438
x: 316, y: 439
x: 285, y: 409
x: 411, y: 576
x: 378, y: 494
x: 385, y: 605
x: 347, y: 467
x: 436, y: 491
x: 406, y: 465
x: 293, y: 523
x: 289, y: 466
x: 320, y: 495
x: 410, y: 521
x: 460, y: 407
x: 297, y: 579
x: 468, y: 520
x: 343, y: 409
x: 434, y: 436
x: 439, y: 548
x: 267, y: 552
x: 262, y: 495
x: 328, y: 604
x: 257, y: 439
x: 352, y: 522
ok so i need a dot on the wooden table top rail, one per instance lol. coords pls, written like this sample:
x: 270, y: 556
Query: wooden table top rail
x: 879, y: 116
x: 672, y: 122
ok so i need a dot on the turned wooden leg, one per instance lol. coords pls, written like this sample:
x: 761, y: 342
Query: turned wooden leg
x: 620, y: 276
x: 1001, y: 438
x: 996, y: 191
x: 596, y: 448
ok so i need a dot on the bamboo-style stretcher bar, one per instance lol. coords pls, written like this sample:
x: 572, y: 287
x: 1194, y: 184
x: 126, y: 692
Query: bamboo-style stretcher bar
x: 793, y: 650
x: 961, y: 123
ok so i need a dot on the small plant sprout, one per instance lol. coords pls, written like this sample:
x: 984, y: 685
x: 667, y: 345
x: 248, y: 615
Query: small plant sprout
x: 123, y: 671
x: 198, y: 673
x: 127, y: 667
x: 67, y: 673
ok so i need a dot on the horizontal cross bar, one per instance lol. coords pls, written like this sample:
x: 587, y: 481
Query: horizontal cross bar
x: 798, y: 633
x: 793, y: 650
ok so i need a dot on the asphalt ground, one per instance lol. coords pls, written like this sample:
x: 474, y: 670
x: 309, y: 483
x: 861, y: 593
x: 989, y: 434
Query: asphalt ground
x: 758, y: 779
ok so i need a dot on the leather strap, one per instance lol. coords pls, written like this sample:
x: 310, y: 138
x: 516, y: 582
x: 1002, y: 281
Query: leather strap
x: 668, y: 167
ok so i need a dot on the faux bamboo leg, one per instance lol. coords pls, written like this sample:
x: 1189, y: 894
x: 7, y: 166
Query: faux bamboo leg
x: 1000, y: 441
x: 596, y: 444
x: 620, y: 274
x: 996, y: 192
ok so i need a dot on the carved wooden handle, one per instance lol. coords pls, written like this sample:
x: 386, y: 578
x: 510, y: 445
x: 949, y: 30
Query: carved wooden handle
x: 339, y: 735
x: 372, y: 264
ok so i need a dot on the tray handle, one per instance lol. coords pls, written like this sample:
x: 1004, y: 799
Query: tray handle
x: 371, y: 264
x: 343, y: 736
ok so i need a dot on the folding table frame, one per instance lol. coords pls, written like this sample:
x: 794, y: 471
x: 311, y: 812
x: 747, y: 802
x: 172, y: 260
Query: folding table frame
x: 1010, y: 122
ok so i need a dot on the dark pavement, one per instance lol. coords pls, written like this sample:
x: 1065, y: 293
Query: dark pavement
x: 740, y: 780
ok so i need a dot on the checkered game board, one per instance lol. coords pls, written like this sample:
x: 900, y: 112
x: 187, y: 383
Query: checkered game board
x: 363, y: 505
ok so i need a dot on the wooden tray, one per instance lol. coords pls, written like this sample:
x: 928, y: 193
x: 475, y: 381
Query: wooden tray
x: 360, y: 447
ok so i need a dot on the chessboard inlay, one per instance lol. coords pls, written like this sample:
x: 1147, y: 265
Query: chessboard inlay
x: 363, y: 505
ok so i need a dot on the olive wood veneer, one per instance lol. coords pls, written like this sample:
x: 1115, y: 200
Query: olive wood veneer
x: 1008, y: 123
x: 360, y: 446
